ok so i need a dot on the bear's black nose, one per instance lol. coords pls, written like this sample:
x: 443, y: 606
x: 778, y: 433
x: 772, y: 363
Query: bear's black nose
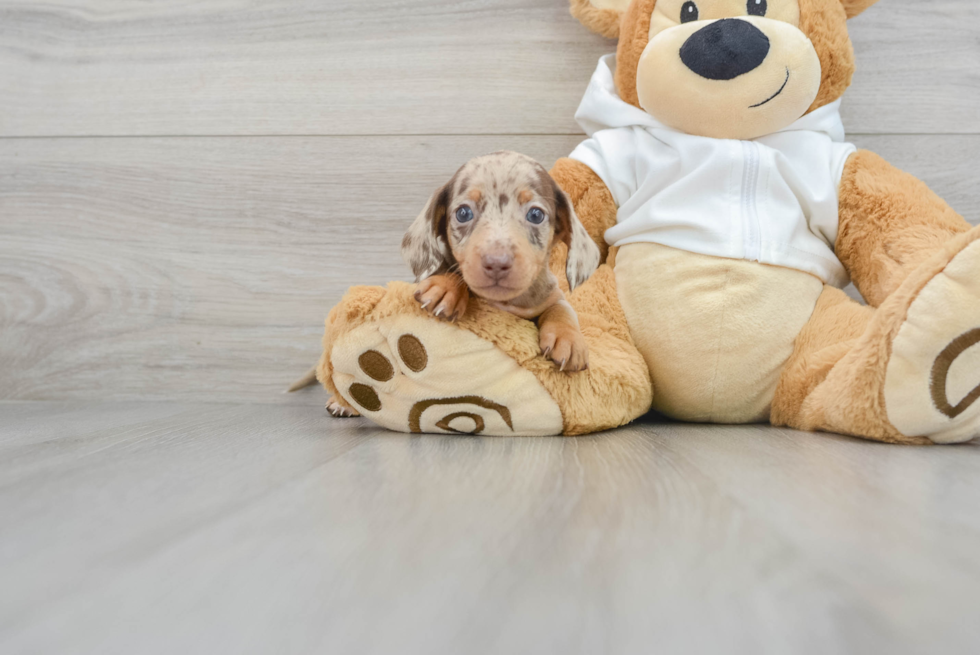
x: 725, y: 49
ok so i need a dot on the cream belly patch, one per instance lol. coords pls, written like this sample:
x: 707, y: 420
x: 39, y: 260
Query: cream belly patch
x: 719, y: 358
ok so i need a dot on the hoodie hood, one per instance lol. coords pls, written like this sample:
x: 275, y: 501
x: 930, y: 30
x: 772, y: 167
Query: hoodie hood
x: 602, y: 109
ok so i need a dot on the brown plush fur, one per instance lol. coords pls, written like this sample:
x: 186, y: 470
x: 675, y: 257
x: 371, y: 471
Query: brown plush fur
x: 825, y: 24
x: 634, y: 34
x: 616, y: 371
x: 890, y: 222
x: 600, y: 21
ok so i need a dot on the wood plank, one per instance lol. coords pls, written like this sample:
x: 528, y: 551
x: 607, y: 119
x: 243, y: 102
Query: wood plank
x: 255, y: 529
x: 918, y: 69
x: 858, y: 512
x: 211, y: 67
x: 202, y: 269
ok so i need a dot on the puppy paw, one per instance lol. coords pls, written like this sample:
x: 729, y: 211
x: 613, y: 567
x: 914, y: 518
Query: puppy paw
x: 338, y: 410
x: 565, y: 346
x: 443, y: 296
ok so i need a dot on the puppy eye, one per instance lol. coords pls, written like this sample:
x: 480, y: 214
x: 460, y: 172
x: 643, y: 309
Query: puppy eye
x: 464, y: 214
x: 535, y: 216
x: 757, y: 7
x: 689, y: 11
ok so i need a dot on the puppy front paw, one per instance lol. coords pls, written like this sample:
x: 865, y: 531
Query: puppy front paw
x: 443, y: 296
x: 565, y: 346
x: 338, y: 410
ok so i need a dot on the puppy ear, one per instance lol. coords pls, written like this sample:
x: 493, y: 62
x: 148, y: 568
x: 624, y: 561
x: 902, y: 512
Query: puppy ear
x: 855, y: 7
x: 583, y: 253
x: 425, y: 247
x: 600, y: 16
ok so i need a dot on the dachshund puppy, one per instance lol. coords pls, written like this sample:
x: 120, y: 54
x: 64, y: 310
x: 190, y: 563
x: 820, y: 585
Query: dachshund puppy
x: 490, y: 231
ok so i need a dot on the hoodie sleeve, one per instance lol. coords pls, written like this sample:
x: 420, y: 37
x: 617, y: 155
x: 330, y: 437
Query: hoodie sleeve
x: 611, y: 155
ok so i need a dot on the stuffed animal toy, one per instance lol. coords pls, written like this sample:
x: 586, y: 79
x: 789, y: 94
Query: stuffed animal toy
x: 729, y: 211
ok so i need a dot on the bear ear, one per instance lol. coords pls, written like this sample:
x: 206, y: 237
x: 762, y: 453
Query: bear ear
x: 855, y: 7
x: 600, y: 16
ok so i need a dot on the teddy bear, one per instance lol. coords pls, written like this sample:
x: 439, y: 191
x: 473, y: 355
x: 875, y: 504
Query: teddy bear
x: 729, y: 211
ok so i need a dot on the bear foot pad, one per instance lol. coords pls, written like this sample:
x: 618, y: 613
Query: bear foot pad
x: 415, y: 374
x: 932, y: 387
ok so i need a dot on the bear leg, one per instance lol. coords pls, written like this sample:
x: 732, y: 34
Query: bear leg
x: 906, y: 372
x: 890, y: 224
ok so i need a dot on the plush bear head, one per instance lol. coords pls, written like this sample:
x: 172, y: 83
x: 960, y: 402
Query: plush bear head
x: 728, y: 69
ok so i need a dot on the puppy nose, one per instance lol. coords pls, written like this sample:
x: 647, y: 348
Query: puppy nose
x: 725, y: 49
x: 497, y: 266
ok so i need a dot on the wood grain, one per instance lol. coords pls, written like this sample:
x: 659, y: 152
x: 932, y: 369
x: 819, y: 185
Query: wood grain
x: 221, y: 67
x: 228, y: 528
x: 202, y: 268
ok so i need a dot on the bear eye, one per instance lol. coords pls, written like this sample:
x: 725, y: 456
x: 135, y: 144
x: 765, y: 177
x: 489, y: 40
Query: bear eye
x: 689, y: 11
x: 464, y: 214
x: 757, y: 7
x: 535, y: 216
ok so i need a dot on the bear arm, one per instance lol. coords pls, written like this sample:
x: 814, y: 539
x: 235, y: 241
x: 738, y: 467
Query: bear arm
x: 890, y: 222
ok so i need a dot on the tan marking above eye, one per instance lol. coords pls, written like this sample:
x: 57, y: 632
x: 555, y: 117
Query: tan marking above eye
x: 525, y: 196
x: 376, y: 366
x: 412, y: 352
x: 475, y: 195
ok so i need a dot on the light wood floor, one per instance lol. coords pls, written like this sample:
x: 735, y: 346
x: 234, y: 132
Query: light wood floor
x: 227, y: 528
x: 187, y: 187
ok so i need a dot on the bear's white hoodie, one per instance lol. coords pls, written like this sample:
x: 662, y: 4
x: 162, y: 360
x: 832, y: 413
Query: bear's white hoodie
x: 773, y: 199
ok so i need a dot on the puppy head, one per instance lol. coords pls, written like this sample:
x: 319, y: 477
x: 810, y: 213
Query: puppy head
x: 495, y: 223
x: 730, y: 69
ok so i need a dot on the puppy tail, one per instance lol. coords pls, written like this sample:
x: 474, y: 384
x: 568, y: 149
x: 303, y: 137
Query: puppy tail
x: 307, y: 380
